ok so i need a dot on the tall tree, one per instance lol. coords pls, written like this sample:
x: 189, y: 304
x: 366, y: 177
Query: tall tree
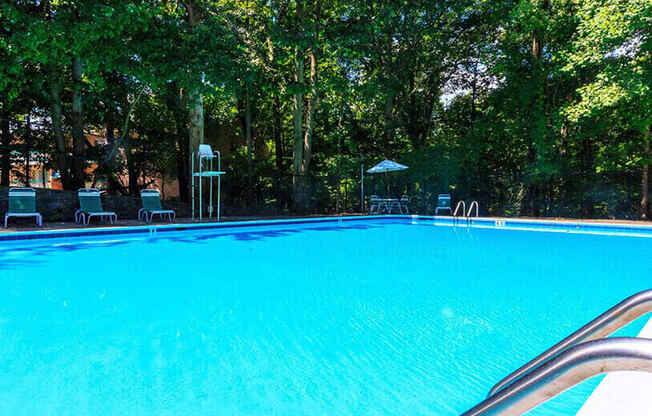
x: 614, y: 41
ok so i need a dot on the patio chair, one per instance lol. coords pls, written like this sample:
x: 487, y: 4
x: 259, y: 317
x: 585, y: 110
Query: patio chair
x: 394, y: 203
x: 403, y: 204
x: 90, y: 205
x: 375, y: 204
x: 152, y: 206
x: 444, y: 203
x: 22, y: 203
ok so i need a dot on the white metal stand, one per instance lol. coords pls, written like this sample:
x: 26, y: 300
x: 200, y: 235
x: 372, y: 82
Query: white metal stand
x: 204, y: 159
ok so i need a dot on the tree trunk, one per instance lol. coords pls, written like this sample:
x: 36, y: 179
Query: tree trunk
x: 109, y: 125
x: 303, y: 133
x: 645, y: 180
x: 196, y: 116
x: 196, y: 130
x: 5, y: 147
x: 389, y: 119
x: 310, y: 114
x: 248, y: 135
x: 278, y: 149
x: 28, y: 150
x: 246, y: 120
x: 195, y: 98
x: 183, y: 169
x: 278, y: 140
x: 112, y: 184
x: 132, y: 170
x: 298, y: 181
x: 587, y: 163
x: 57, y: 130
x: 175, y: 103
x: 530, y: 202
x: 78, y: 174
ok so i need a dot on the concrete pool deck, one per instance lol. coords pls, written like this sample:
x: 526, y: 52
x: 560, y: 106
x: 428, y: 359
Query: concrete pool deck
x: 28, y: 224
x: 622, y: 393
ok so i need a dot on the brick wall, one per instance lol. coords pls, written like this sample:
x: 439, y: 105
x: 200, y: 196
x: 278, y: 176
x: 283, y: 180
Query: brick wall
x: 57, y: 205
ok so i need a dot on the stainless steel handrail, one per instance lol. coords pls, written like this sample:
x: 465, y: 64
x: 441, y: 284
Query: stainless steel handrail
x: 473, y: 204
x: 605, y: 324
x: 567, y: 369
x: 457, y: 208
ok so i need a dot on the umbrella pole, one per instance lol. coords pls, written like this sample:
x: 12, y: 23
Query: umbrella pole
x: 362, y: 187
x: 387, y: 184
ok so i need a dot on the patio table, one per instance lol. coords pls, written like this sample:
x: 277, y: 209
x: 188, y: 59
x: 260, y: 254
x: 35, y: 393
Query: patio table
x: 387, y: 204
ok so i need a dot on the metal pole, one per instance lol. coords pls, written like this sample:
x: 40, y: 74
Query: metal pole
x: 219, y: 182
x: 200, y: 183
x: 192, y: 178
x: 210, y: 193
x: 387, y: 185
x: 362, y: 187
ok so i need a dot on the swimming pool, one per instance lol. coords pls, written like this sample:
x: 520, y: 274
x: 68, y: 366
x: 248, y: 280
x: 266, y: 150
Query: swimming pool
x: 380, y: 316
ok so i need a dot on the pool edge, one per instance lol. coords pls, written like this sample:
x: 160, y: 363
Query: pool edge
x: 582, y: 227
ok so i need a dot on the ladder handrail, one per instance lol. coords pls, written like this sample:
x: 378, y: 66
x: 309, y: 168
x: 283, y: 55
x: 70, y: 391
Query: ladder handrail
x: 477, y: 207
x: 565, y: 370
x: 457, y: 208
x: 605, y: 324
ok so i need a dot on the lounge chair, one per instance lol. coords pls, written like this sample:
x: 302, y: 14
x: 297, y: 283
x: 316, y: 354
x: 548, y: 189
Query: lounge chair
x: 152, y: 206
x: 22, y: 203
x: 90, y: 205
x: 444, y: 203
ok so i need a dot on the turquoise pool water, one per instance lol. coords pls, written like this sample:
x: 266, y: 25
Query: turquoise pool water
x: 379, y: 317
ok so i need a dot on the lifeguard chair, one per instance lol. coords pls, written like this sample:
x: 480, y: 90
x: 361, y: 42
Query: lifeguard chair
x: 203, y: 167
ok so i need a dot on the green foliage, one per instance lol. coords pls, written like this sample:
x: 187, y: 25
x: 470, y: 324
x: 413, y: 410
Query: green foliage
x: 535, y: 107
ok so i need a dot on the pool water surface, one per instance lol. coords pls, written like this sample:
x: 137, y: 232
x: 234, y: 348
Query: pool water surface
x: 373, y: 317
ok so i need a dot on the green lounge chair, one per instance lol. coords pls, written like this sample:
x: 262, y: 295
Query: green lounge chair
x: 152, y: 206
x: 22, y: 203
x: 90, y: 205
x: 444, y: 203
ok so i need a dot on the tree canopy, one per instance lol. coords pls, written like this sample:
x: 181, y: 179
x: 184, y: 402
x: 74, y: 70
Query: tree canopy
x: 531, y: 107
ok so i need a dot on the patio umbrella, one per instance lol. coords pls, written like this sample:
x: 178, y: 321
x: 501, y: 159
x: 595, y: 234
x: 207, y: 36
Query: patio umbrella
x: 386, y: 166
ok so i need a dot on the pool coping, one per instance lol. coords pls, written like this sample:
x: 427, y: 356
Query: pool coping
x: 574, y: 227
x: 583, y: 227
x: 155, y: 228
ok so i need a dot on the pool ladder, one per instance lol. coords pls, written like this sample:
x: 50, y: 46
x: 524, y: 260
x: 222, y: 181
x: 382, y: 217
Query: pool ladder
x: 466, y: 214
x: 583, y: 354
